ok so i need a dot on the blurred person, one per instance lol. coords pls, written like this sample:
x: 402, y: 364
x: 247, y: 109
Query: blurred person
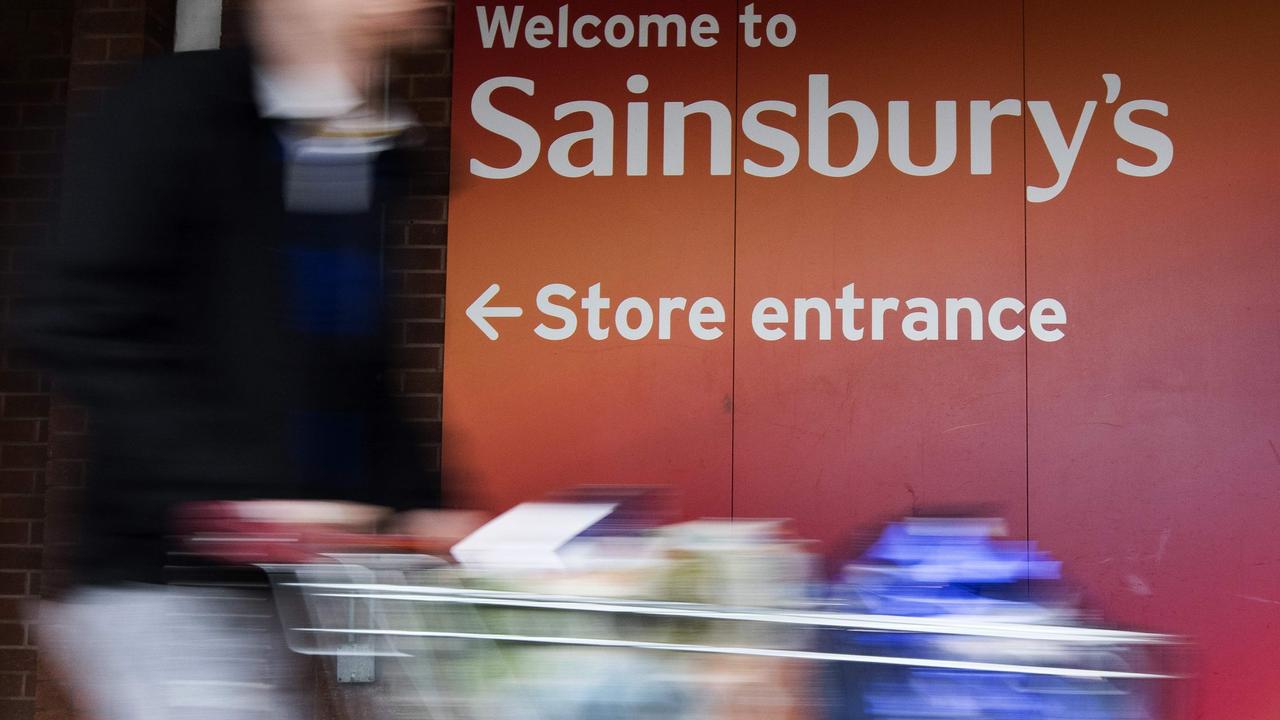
x: 215, y: 302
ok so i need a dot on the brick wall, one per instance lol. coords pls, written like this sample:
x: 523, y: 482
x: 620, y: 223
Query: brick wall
x: 57, y: 59
x: 416, y: 240
x: 35, y: 41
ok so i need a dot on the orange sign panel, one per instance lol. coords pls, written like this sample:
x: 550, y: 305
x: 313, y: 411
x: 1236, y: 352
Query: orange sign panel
x: 847, y: 261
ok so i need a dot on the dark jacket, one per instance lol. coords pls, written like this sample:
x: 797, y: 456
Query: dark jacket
x: 166, y: 311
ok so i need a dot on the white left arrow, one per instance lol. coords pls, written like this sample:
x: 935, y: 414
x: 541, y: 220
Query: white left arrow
x: 480, y: 312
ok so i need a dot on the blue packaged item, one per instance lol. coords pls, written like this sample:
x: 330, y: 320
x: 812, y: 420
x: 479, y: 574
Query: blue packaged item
x: 957, y: 568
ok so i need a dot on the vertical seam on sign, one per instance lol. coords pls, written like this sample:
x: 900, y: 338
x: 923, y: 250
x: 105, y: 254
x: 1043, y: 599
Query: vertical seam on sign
x: 733, y: 301
x: 1026, y: 297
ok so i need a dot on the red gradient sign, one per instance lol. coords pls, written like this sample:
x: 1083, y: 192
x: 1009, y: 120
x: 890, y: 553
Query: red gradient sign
x: 843, y: 261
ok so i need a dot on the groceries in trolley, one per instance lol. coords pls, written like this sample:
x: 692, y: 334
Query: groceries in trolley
x: 991, y: 596
x: 590, y: 606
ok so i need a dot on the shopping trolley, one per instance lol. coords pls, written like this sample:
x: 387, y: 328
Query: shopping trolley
x: 441, y: 642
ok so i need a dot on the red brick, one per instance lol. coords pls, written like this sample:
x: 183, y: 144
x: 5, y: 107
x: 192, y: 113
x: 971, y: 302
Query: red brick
x: 430, y: 183
x: 65, y: 473
x: 422, y: 63
x: 11, y: 684
x: 12, y: 583
x: 426, y: 430
x: 431, y: 111
x: 400, y: 87
x: 24, y: 709
x: 68, y: 419
x: 26, y: 406
x: 431, y: 457
x: 60, y: 530
x: 421, y: 209
x: 17, y: 557
x: 24, y: 456
x: 60, y: 499
x: 434, y: 138
x: 14, y: 609
x: 110, y: 22
x: 126, y: 48
x: 414, y: 258
x: 433, y: 160
x: 69, y: 447
x: 86, y: 49
x: 14, y: 532
x: 424, y: 333
x: 423, y: 283
x: 16, y: 660
x: 19, y: 507
x: 431, y: 86
x: 37, y: 533
x: 418, y: 383
x: 426, y: 234
x: 61, y: 579
x: 17, y: 481
x: 417, y: 358
x: 394, y: 232
x: 19, y: 430
x: 422, y: 407
x: 404, y: 307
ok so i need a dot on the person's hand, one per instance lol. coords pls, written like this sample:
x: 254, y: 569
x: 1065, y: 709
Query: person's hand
x: 436, y: 531
x: 332, y: 514
x: 272, y: 531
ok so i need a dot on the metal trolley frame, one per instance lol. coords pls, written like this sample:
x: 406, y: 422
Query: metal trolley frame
x: 412, y: 624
